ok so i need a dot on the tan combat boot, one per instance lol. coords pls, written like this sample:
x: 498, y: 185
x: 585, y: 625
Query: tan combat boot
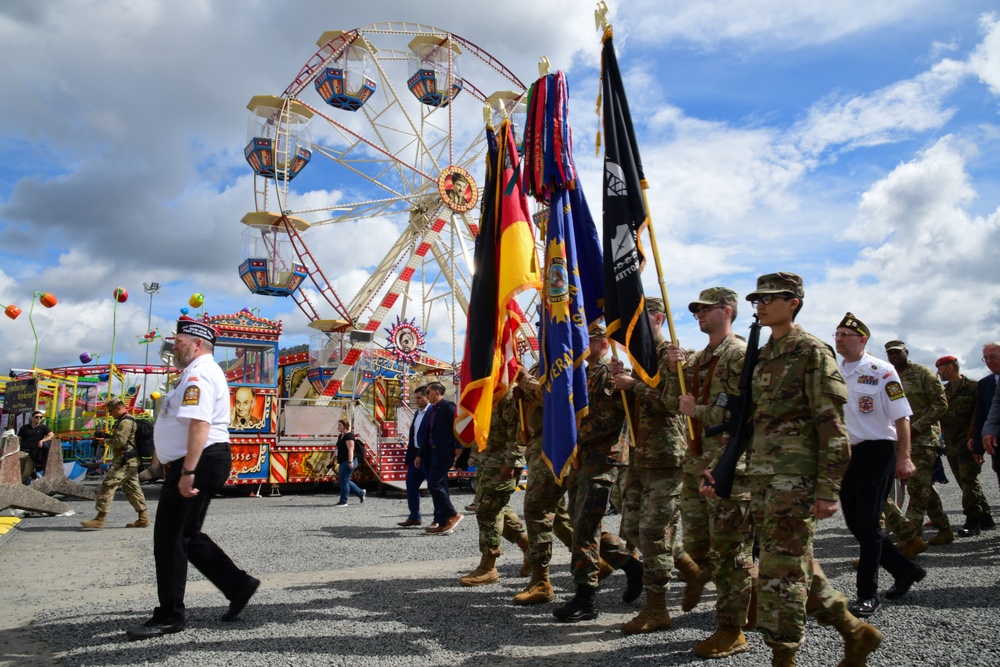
x: 912, y: 547
x: 141, y: 522
x: 943, y: 537
x: 860, y: 639
x: 727, y: 640
x: 686, y: 566
x: 485, y: 573
x: 526, y: 566
x: 654, y: 617
x: 782, y: 656
x: 693, y: 587
x: 539, y: 589
x: 96, y: 523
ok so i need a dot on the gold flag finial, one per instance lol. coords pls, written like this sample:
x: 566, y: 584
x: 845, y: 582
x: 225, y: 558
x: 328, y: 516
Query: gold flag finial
x: 544, y: 66
x: 601, y: 16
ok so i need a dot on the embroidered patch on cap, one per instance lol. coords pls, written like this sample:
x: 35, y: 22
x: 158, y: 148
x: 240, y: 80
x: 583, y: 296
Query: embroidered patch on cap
x: 895, y: 391
x: 191, y: 396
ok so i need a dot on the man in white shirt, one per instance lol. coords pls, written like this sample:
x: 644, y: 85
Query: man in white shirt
x: 192, y: 441
x: 877, y: 418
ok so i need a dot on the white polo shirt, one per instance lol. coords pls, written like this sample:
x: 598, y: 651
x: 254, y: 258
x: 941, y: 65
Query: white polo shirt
x: 201, y: 393
x: 875, y: 399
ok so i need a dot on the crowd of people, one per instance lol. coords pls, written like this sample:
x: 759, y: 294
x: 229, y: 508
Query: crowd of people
x: 825, y: 435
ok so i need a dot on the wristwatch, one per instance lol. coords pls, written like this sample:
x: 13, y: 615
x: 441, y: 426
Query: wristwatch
x: 186, y: 472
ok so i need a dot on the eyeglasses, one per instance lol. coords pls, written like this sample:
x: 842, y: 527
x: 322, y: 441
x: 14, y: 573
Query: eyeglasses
x: 705, y: 310
x: 991, y: 357
x: 846, y: 334
x: 766, y: 299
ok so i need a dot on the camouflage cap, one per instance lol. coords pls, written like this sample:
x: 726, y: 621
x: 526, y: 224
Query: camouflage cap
x: 895, y: 345
x: 854, y: 324
x: 114, y: 402
x: 944, y: 360
x: 714, y: 296
x: 655, y: 305
x: 598, y: 331
x: 778, y: 283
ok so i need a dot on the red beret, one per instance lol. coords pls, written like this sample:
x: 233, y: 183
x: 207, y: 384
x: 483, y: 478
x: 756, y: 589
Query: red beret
x: 944, y: 360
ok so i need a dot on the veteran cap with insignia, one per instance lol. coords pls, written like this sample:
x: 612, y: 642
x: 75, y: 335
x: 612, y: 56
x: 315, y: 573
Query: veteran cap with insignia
x: 778, y: 283
x: 895, y: 345
x: 714, y: 296
x: 192, y: 327
x: 944, y: 360
x: 655, y: 305
x: 854, y: 324
x: 598, y: 331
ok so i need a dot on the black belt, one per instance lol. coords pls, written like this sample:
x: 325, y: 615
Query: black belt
x: 875, y: 442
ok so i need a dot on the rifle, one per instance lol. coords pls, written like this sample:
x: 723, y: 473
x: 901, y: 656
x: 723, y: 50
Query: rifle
x: 738, y: 426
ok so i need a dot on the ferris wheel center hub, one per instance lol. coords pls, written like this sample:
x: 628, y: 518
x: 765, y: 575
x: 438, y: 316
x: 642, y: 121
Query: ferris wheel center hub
x: 458, y: 189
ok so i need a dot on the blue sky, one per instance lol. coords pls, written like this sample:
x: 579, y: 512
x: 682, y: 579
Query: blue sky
x: 855, y: 143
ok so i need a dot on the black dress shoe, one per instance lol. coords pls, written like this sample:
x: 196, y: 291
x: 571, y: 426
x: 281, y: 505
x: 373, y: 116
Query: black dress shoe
x: 970, y: 529
x: 236, y: 604
x: 152, y: 628
x: 865, y: 608
x: 903, y: 584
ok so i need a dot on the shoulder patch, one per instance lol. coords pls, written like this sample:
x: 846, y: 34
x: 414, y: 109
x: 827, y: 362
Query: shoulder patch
x: 191, y: 396
x: 894, y: 391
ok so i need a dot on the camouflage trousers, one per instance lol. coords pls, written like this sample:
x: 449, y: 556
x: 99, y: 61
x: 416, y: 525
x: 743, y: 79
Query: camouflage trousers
x: 718, y: 535
x: 544, y: 510
x: 966, y: 472
x: 791, y: 583
x: 496, y: 518
x: 589, y: 494
x: 649, y: 520
x: 125, y: 475
x: 895, y: 522
x: 924, y: 498
x: 630, y: 488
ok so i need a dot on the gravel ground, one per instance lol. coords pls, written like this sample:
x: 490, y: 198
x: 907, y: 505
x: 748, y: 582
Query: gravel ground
x: 344, y: 586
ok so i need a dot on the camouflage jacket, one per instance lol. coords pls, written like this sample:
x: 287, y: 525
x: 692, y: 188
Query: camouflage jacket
x: 926, y: 395
x: 661, y: 441
x: 711, y: 396
x: 598, y: 438
x: 533, y: 404
x: 962, y: 396
x: 798, y: 419
x: 122, y: 438
x: 503, y: 444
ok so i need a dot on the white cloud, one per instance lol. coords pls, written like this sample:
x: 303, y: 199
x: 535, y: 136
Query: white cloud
x: 985, y: 60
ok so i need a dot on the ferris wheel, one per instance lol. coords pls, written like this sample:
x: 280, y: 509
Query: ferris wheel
x: 392, y: 114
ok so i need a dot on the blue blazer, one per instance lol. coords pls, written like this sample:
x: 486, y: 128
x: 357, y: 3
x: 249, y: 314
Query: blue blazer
x: 441, y: 432
x: 413, y: 448
x: 987, y: 388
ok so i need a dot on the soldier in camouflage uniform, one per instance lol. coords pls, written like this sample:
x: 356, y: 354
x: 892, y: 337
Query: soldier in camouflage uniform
x: 962, y: 394
x: 544, y: 498
x: 654, y: 480
x: 124, y: 470
x: 717, y: 532
x: 498, y: 468
x: 926, y: 395
x: 601, y: 453
x: 798, y: 456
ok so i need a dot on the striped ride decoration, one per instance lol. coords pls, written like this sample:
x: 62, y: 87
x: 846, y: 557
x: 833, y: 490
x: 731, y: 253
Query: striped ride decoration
x: 279, y: 468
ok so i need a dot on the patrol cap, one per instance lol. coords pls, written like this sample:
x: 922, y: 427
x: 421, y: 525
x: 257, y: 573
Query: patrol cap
x: 944, y: 360
x: 114, y: 402
x: 854, y: 324
x: 192, y: 327
x: 598, y: 331
x: 778, y: 283
x: 655, y: 305
x: 895, y: 345
x: 714, y: 296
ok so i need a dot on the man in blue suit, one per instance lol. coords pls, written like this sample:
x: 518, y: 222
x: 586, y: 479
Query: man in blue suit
x: 438, y: 452
x: 987, y: 390
x: 415, y: 476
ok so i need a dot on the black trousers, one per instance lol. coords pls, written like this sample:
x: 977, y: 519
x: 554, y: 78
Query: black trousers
x: 178, y: 540
x: 863, y: 493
